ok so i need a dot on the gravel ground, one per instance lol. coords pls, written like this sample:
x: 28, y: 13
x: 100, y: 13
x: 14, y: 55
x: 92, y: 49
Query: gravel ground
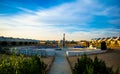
x: 49, y: 61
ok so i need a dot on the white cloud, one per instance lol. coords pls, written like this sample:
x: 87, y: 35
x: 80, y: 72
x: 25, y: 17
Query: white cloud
x: 68, y: 13
x: 82, y: 35
x: 25, y: 10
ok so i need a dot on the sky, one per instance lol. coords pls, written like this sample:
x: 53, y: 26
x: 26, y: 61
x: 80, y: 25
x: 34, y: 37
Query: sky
x: 49, y: 19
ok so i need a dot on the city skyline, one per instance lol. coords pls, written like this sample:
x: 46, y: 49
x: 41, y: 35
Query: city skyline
x: 49, y: 19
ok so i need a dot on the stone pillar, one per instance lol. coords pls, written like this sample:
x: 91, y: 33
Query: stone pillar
x: 64, y: 40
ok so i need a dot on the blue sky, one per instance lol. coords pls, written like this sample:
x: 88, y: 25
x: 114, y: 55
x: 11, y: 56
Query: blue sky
x: 49, y: 19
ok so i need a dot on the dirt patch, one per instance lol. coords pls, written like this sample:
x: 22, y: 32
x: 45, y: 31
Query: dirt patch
x: 49, y: 61
x: 111, y: 58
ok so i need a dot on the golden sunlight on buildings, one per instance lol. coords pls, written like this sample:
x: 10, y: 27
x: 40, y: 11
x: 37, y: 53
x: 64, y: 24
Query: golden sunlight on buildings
x: 110, y: 41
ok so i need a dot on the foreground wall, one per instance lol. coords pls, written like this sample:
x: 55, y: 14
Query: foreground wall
x: 78, y: 53
x: 31, y: 52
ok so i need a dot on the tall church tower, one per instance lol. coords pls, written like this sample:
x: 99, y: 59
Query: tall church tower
x: 63, y: 40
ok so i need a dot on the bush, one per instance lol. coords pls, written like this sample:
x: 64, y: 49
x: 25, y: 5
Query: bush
x: 20, y: 65
x: 86, y: 65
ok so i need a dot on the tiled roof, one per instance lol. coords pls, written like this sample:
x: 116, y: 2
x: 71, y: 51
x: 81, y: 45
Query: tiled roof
x: 107, y: 39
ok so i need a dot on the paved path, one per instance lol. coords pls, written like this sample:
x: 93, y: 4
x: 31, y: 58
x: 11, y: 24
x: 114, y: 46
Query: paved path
x: 60, y: 65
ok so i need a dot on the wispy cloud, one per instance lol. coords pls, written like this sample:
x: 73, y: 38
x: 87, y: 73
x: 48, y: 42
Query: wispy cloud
x: 115, y: 21
x: 112, y: 11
